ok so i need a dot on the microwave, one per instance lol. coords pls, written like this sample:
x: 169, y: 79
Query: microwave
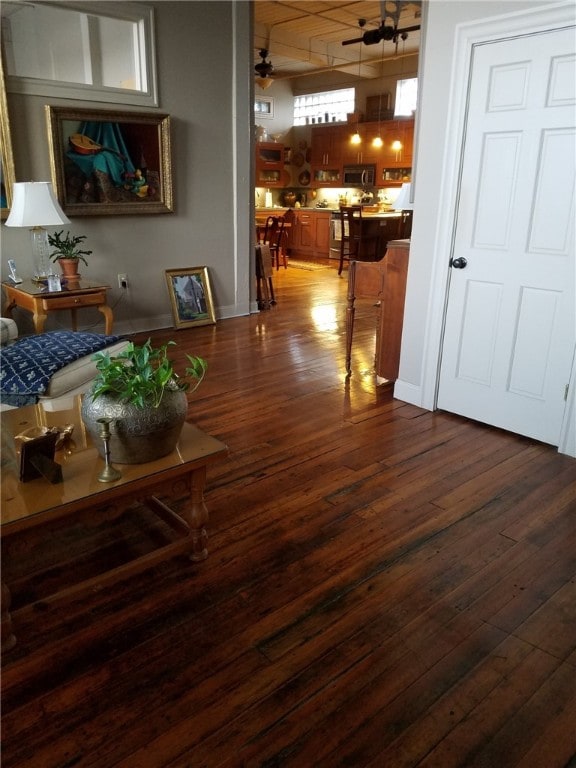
x: 359, y: 175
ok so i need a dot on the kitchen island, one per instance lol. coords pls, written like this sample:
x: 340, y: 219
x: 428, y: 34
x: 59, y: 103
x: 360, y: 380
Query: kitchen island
x: 315, y: 232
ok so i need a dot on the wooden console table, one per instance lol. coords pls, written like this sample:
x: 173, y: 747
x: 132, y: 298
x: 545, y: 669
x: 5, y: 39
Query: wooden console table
x: 36, y: 298
x: 383, y: 281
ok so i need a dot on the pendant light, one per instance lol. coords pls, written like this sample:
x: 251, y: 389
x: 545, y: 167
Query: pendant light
x: 356, y: 138
x: 397, y: 145
x: 377, y: 142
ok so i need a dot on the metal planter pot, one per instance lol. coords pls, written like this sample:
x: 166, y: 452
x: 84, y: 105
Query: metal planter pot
x: 137, y: 435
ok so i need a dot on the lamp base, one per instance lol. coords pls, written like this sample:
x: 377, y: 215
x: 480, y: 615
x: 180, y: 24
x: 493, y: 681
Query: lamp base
x: 40, y: 258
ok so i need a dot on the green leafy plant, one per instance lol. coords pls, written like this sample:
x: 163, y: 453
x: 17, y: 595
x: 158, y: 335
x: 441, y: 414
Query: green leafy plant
x: 67, y: 247
x: 141, y: 374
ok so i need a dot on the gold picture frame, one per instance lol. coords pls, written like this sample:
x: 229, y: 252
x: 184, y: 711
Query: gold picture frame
x: 190, y: 296
x: 105, y: 162
x: 7, y: 173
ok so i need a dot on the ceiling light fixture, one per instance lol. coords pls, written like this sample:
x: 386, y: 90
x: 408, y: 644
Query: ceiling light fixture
x: 397, y: 144
x: 264, y: 68
x: 377, y: 141
x: 356, y: 138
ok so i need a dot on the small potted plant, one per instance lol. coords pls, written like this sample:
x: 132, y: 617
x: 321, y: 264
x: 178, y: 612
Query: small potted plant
x: 67, y: 253
x: 144, y: 399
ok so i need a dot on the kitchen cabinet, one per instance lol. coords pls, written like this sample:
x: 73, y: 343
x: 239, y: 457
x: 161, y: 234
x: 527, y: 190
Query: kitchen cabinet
x: 331, y: 150
x: 363, y: 153
x: 269, y: 164
x: 326, y: 149
x: 326, y: 156
x: 391, y: 176
x: 310, y: 234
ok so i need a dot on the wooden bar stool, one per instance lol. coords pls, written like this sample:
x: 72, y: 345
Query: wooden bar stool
x: 354, y: 242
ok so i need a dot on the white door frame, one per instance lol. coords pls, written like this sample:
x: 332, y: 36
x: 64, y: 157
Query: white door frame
x: 467, y: 35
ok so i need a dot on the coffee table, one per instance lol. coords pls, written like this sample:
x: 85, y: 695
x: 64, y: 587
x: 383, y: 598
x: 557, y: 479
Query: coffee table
x: 38, y: 503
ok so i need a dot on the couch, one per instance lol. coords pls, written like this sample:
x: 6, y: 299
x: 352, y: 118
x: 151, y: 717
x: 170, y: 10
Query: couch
x: 49, y: 368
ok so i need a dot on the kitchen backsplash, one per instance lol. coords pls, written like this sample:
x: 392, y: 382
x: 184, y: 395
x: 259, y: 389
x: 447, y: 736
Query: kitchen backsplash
x: 322, y: 198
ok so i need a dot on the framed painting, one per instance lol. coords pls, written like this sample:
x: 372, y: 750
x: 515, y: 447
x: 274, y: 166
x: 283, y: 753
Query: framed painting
x: 191, y: 296
x: 110, y: 163
x: 7, y: 175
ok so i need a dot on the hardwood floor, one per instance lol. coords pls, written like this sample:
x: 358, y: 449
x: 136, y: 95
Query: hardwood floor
x: 385, y: 586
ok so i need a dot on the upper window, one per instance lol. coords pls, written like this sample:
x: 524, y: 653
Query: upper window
x: 324, y: 107
x: 406, y: 95
x: 90, y: 51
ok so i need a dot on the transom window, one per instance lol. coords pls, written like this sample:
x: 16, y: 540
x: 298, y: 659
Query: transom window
x: 406, y: 97
x: 91, y: 51
x: 324, y: 107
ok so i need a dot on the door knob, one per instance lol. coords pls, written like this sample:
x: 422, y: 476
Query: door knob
x: 459, y: 263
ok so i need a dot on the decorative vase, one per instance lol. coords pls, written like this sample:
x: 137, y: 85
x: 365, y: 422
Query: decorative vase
x: 137, y: 435
x: 69, y: 268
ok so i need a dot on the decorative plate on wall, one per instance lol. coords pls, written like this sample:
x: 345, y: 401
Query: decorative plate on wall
x: 304, y: 179
x: 298, y: 160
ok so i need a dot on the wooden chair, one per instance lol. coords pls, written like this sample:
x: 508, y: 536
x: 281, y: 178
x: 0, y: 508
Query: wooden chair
x: 273, y: 235
x: 264, y: 286
x: 354, y: 242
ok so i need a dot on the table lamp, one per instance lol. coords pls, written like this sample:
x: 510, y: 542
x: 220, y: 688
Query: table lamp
x: 34, y: 205
x: 402, y: 203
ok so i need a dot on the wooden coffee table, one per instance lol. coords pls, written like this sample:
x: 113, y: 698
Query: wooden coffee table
x: 38, y: 503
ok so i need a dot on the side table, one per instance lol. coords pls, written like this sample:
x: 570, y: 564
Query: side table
x: 36, y: 298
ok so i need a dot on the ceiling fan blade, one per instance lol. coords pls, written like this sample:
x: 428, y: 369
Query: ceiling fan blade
x: 373, y: 36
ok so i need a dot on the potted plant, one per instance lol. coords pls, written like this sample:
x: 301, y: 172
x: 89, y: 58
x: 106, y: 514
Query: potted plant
x: 67, y: 253
x: 144, y: 399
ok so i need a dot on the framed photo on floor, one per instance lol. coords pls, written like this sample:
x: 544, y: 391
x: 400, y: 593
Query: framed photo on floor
x: 191, y: 296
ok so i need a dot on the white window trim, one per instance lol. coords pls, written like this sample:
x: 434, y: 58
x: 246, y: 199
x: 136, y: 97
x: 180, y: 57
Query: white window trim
x: 148, y: 97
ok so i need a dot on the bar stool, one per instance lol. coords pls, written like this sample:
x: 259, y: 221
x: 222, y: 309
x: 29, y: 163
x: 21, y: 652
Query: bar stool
x: 354, y: 243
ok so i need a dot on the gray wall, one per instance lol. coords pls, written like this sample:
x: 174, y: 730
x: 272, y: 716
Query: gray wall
x: 204, y: 59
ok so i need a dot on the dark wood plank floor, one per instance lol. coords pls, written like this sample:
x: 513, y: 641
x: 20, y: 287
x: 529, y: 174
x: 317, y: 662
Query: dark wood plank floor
x: 385, y: 586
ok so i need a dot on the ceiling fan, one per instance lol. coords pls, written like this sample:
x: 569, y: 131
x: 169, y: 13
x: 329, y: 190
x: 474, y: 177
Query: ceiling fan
x: 264, y: 70
x: 384, y: 31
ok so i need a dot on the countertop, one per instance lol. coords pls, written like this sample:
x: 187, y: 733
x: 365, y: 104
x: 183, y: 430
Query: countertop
x: 365, y: 214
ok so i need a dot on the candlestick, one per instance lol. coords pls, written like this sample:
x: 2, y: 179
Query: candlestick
x: 109, y: 474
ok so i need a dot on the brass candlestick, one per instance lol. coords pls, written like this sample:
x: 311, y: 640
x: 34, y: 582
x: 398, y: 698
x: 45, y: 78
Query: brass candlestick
x: 109, y: 474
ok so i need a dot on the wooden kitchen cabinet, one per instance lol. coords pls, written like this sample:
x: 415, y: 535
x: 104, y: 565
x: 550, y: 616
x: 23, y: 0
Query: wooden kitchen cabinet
x: 326, y: 156
x: 310, y: 234
x: 326, y: 149
x: 331, y: 150
x: 397, y: 130
x: 269, y: 164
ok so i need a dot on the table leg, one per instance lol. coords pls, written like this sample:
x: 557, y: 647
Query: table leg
x: 350, y: 311
x: 9, y: 306
x: 8, y: 639
x: 39, y: 319
x: 195, y: 513
x: 108, y: 318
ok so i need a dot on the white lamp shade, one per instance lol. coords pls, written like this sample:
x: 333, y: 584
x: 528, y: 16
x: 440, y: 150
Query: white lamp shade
x: 402, y: 202
x: 34, y: 204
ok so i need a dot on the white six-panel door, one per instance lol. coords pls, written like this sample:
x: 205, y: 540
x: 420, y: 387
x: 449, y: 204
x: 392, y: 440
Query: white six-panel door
x: 510, y: 328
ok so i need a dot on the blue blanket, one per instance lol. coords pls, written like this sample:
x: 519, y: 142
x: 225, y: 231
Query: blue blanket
x: 27, y: 366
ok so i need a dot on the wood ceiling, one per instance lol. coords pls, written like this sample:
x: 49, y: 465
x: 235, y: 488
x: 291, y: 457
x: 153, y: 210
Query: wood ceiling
x: 305, y: 37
